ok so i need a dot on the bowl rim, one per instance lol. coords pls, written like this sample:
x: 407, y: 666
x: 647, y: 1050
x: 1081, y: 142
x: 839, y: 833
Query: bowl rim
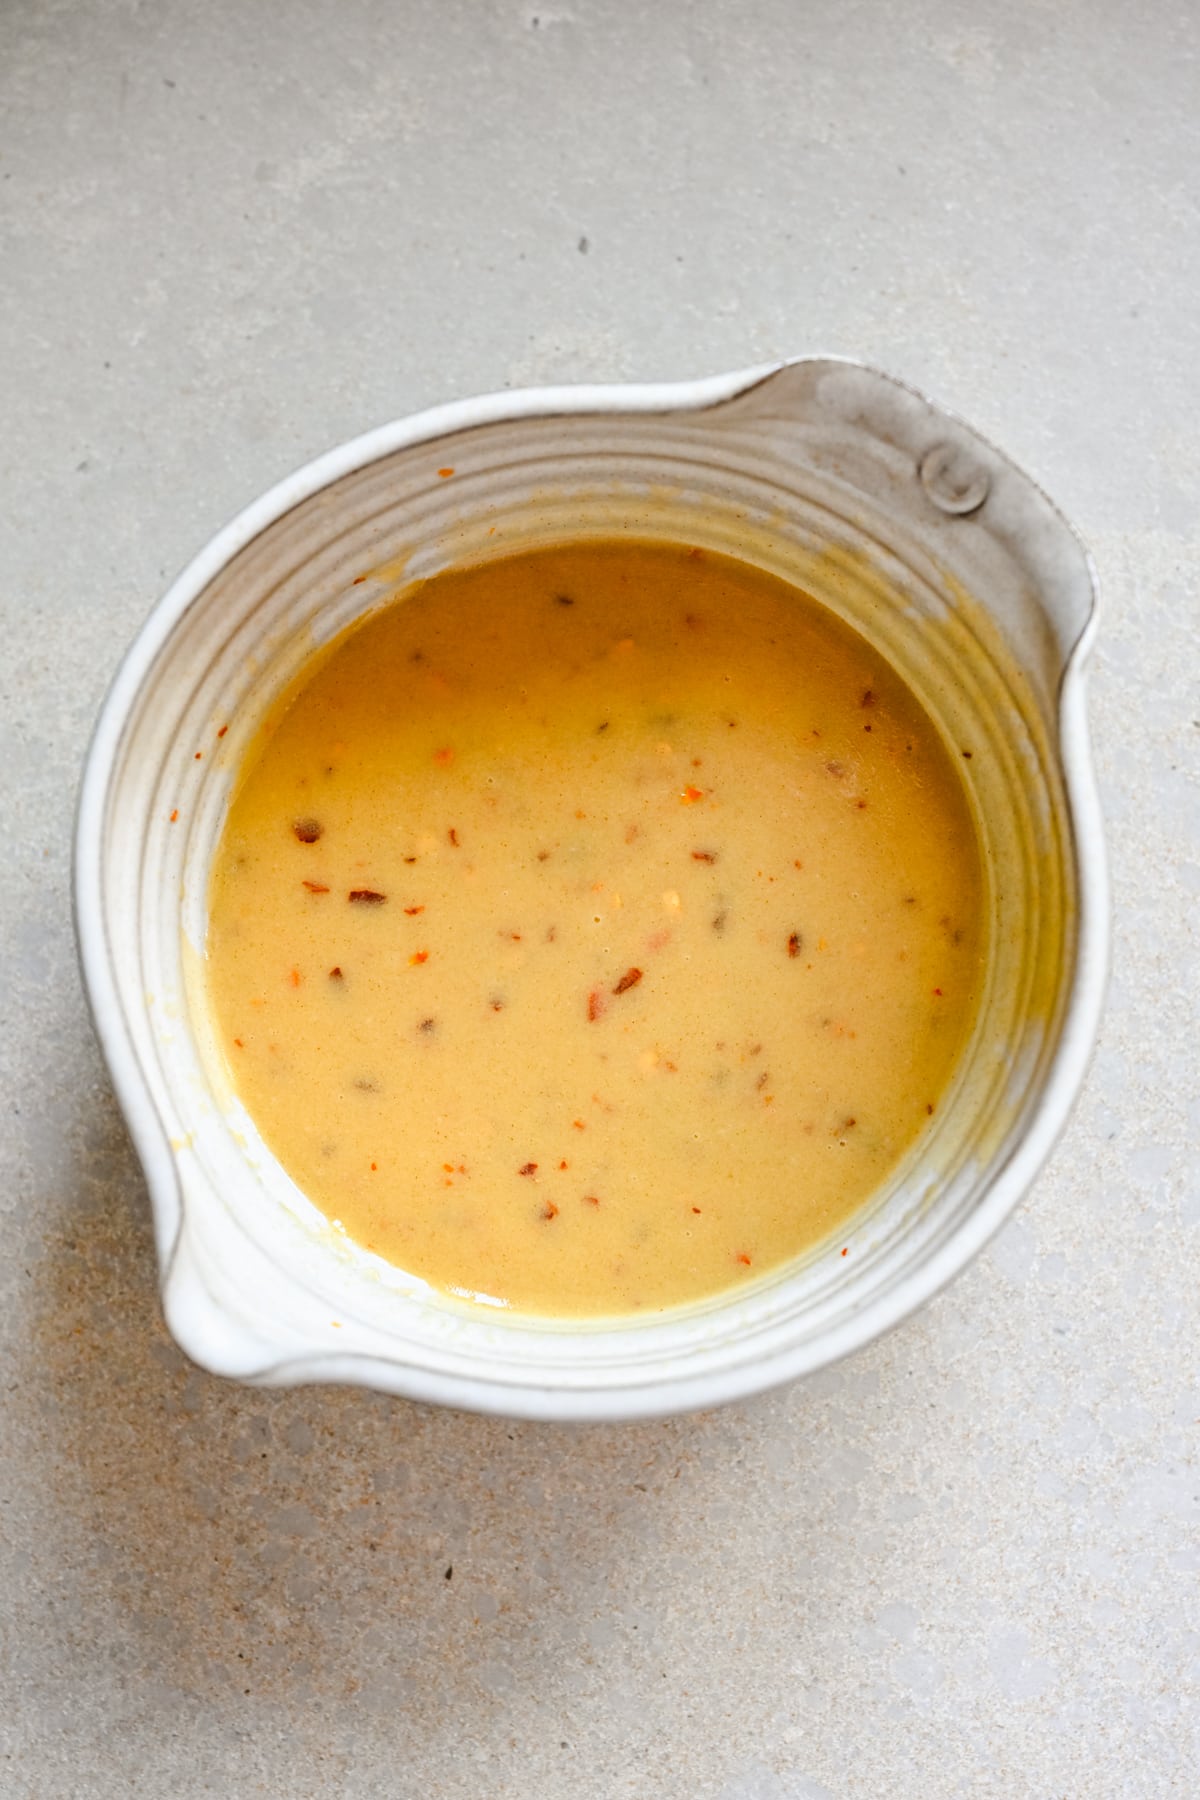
x: 675, y: 1393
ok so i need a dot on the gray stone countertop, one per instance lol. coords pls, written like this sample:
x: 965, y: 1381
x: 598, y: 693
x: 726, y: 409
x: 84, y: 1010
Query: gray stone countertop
x: 964, y: 1563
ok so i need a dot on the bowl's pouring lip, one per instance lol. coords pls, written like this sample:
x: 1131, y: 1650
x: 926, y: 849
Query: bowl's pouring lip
x: 680, y: 1392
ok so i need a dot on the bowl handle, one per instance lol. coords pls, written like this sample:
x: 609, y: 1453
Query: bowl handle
x: 931, y: 477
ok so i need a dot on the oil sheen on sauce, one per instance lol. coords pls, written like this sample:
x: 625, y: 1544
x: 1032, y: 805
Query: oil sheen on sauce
x: 595, y: 929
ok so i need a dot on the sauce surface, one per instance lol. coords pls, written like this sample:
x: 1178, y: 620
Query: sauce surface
x: 595, y: 929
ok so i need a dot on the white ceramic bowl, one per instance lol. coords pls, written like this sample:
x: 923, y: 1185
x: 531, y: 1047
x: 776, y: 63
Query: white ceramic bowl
x: 897, y: 516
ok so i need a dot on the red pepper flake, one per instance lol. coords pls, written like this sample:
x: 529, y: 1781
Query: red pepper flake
x: 929, y: 1107
x: 695, y: 1209
x: 868, y: 698
x: 795, y: 944
x: 335, y: 974
x: 358, y: 580
x: 743, y: 1258
x: 444, y: 757
x: 595, y: 1007
x: 846, y: 1251
x: 174, y: 815
x: 453, y: 836
x: 563, y: 600
x: 307, y: 830
x: 315, y: 887
x: 579, y: 1124
x: 563, y: 1164
x: 704, y: 856
x: 222, y: 731
x: 629, y: 979
x: 938, y: 992
x: 199, y: 755
x: 529, y: 1169
x: 412, y: 911
x: 444, y: 473
x: 690, y: 795
x: 418, y: 956
x: 427, y: 1026
x: 862, y: 805
x: 968, y: 754
x: 239, y: 1043
x: 295, y: 977
x: 366, y: 897
x: 374, y: 1165
x: 449, y: 1168
x: 591, y: 1200
x: 496, y: 1005
x: 549, y: 1211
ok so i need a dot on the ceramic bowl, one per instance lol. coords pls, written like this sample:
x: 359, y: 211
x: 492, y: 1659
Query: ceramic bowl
x: 891, y: 512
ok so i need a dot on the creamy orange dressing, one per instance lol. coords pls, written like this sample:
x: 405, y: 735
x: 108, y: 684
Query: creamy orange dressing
x: 596, y: 929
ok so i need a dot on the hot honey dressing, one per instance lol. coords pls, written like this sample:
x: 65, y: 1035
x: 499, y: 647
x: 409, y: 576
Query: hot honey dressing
x: 596, y: 929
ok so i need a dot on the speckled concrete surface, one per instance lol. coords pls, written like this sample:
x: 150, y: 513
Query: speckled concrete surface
x: 964, y: 1564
